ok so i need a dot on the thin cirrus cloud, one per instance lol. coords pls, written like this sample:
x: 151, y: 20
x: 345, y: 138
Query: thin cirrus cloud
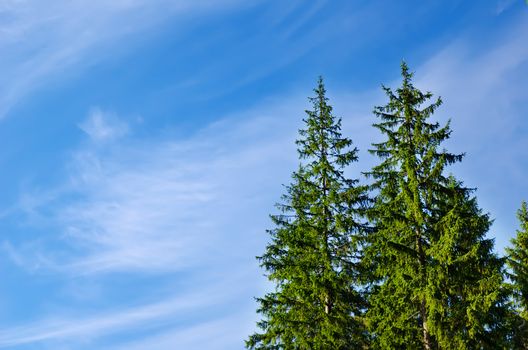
x: 196, y: 206
x: 214, y: 334
x: 40, y: 41
x: 67, y: 331
x: 164, y: 205
x: 483, y: 87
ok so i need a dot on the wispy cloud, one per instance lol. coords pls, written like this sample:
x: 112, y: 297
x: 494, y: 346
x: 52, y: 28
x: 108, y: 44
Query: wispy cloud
x: 158, y: 205
x: 483, y: 84
x: 196, y: 206
x: 215, y: 334
x: 40, y: 41
x: 103, y: 126
x: 66, y: 329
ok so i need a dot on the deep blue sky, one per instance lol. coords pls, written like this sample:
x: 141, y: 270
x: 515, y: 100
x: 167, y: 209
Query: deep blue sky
x: 144, y: 143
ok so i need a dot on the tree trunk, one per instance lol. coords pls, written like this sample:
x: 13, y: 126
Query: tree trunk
x: 423, y: 306
x: 328, y: 305
x: 425, y: 330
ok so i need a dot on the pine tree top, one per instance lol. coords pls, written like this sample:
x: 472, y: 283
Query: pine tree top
x: 313, y: 253
x: 522, y: 215
x: 520, y: 241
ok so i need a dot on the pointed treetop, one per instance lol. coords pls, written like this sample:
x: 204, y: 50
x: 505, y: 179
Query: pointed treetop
x: 522, y: 215
x: 406, y: 74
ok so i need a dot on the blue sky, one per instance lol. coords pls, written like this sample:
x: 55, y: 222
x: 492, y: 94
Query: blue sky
x: 144, y: 143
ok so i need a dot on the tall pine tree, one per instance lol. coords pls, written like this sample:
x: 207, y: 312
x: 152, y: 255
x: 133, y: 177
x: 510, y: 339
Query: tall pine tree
x: 517, y: 256
x: 436, y: 279
x: 313, y: 255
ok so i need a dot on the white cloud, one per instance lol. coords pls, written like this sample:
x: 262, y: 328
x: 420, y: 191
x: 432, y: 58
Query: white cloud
x: 103, y: 126
x: 166, y: 205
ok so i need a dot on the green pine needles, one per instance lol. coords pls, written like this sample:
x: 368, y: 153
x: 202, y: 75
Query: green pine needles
x: 518, y: 262
x: 517, y: 256
x: 401, y: 263
x: 314, y: 251
x: 437, y: 278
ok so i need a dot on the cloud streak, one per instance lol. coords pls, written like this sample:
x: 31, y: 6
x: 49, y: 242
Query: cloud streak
x: 195, y: 206
x: 483, y: 85
x: 167, y: 205
x: 41, y: 41
x: 66, y: 329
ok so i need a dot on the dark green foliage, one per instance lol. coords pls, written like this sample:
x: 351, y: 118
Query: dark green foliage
x: 424, y: 276
x: 437, y: 282
x: 517, y: 256
x: 314, y: 251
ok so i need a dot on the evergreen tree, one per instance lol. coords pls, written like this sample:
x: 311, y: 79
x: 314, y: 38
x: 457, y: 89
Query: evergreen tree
x: 518, y: 264
x: 314, y: 251
x: 437, y: 282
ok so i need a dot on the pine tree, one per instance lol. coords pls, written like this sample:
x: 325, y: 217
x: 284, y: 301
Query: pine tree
x: 313, y: 255
x: 436, y: 279
x: 517, y: 256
